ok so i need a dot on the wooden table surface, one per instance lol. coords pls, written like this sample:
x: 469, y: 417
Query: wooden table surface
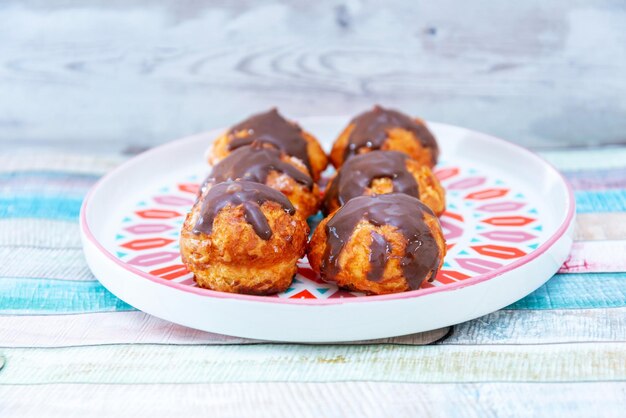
x: 121, y: 74
x: 83, y: 85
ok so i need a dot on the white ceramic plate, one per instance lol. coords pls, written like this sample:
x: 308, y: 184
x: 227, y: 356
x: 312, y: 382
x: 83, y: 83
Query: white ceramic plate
x: 509, y: 227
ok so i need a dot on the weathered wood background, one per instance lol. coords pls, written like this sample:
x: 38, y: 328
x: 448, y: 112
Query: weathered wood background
x: 115, y: 75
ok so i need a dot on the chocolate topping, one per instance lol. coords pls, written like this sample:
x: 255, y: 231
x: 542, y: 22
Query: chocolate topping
x: 234, y: 193
x: 271, y: 128
x: 379, y: 250
x: 254, y: 163
x: 358, y: 173
x: 371, y: 130
x: 406, y: 213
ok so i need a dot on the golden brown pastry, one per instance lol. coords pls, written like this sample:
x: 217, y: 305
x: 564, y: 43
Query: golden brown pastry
x: 378, y: 244
x: 267, y: 165
x: 380, y: 172
x: 386, y: 129
x: 272, y: 129
x: 243, y: 237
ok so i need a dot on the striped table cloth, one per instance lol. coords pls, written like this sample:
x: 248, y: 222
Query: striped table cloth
x: 70, y: 348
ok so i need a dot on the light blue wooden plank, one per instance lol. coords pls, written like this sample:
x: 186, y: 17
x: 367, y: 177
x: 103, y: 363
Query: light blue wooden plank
x: 582, y: 291
x: 601, y: 201
x: 48, y: 174
x: 43, y: 207
x: 564, y: 291
x: 527, y: 326
x: 26, y: 296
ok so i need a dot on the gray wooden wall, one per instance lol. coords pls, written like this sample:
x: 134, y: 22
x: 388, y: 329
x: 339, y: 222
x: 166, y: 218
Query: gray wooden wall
x: 114, y: 75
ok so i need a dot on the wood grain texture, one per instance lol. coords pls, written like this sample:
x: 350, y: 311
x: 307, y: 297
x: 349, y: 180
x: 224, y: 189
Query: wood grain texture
x: 44, y: 263
x: 42, y: 207
x: 40, y: 233
x: 600, y: 201
x: 312, y: 400
x: 577, y: 291
x: 505, y: 327
x: 132, y: 364
x: 135, y: 328
x: 520, y: 327
x: 21, y: 296
x: 122, y: 75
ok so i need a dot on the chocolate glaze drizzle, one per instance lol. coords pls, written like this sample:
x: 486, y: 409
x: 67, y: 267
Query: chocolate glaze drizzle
x: 250, y: 195
x: 370, y: 131
x: 358, y: 173
x: 271, y: 128
x: 379, y: 250
x: 406, y: 213
x: 254, y: 163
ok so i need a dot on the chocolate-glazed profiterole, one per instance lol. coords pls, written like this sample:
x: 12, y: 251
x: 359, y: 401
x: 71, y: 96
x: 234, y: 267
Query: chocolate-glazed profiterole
x: 271, y: 129
x: 247, y: 194
x: 379, y: 244
x: 380, y: 172
x: 269, y: 166
x: 243, y: 237
x: 386, y: 129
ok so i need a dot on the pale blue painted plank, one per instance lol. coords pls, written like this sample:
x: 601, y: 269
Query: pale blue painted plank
x: 47, y: 174
x: 42, y: 207
x: 578, y: 291
x: 24, y: 296
x: 601, y: 201
x: 563, y: 291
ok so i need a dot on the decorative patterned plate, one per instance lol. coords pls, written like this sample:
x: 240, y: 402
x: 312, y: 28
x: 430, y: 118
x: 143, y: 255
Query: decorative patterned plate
x: 508, y: 226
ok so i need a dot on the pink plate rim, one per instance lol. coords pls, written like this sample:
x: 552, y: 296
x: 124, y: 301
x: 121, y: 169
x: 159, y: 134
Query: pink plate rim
x: 561, y: 230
